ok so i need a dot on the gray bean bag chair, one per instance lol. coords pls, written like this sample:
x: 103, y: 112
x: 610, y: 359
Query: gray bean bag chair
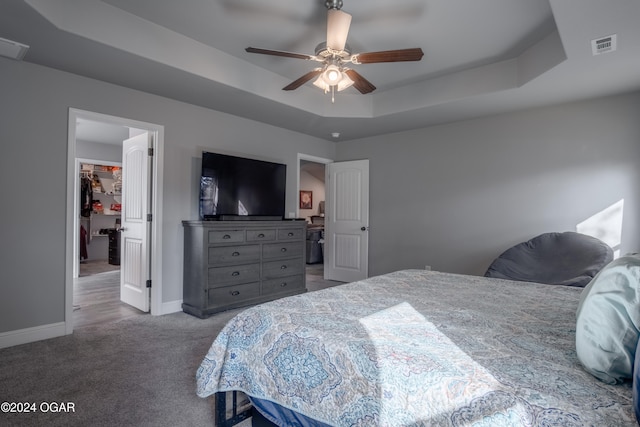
x: 568, y: 258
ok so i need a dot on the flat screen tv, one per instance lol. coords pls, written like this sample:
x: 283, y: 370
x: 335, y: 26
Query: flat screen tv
x: 240, y: 188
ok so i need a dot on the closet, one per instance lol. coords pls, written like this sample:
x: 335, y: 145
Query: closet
x: 100, y: 207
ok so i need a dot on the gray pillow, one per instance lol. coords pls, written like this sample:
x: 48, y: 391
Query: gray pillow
x: 608, y: 320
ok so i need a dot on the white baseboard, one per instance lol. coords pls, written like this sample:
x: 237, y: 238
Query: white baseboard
x: 171, y: 307
x: 37, y: 333
x: 53, y: 330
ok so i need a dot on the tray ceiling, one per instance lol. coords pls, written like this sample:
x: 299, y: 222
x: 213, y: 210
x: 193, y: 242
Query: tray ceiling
x: 480, y: 58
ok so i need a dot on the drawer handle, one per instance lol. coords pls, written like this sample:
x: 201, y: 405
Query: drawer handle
x: 235, y: 293
x: 283, y: 249
x: 283, y: 284
x: 235, y: 254
x: 235, y: 273
x: 226, y: 236
x: 283, y: 267
x: 261, y: 235
x: 290, y: 234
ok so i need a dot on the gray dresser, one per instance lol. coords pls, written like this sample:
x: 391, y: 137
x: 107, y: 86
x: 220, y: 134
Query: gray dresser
x: 229, y: 264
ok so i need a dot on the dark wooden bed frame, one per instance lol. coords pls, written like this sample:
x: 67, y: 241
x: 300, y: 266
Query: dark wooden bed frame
x: 233, y: 407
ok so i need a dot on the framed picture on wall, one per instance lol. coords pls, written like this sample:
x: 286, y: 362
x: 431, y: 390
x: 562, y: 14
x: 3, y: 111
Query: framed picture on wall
x: 306, y: 199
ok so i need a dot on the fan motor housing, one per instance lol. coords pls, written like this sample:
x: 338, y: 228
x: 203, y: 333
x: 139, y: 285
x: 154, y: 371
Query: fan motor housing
x: 323, y: 52
x: 333, y: 4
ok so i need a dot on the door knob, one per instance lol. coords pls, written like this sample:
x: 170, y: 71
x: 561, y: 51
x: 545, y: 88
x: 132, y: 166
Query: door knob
x: 121, y: 229
x: 363, y: 228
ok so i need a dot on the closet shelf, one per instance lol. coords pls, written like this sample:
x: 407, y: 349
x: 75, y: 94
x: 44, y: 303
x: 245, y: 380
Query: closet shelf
x: 107, y: 193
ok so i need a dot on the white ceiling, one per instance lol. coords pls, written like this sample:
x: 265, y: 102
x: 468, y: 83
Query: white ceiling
x: 481, y: 57
x: 99, y: 132
x: 314, y: 169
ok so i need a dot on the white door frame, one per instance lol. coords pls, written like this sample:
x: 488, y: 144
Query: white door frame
x: 72, y: 207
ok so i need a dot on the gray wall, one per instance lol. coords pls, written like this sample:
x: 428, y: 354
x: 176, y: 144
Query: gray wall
x: 455, y: 196
x: 33, y: 172
x: 451, y: 196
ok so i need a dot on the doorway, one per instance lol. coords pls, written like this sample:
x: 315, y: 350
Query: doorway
x: 105, y: 147
x: 99, y: 200
x: 96, y: 287
x: 311, y: 191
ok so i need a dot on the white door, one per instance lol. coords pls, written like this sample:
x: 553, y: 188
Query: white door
x: 135, y: 236
x: 346, y: 247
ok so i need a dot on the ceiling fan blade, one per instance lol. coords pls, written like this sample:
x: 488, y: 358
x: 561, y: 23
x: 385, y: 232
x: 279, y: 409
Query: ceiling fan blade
x: 363, y: 85
x: 338, y: 23
x: 302, y: 80
x: 414, y: 54
x: 279, y: 53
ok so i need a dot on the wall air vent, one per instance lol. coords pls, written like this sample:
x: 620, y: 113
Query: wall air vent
x: 13, y: 50
x: 604, y: 45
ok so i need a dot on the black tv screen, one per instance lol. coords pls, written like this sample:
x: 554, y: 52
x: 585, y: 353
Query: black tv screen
x: 239, y: 187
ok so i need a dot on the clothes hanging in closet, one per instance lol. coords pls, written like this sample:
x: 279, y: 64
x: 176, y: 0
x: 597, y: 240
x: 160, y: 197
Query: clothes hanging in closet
x: 86, y: 197
x: 83, y: 243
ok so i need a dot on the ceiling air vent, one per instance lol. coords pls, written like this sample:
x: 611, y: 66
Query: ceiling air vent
x: 11, y: 49
x: 603, y: 45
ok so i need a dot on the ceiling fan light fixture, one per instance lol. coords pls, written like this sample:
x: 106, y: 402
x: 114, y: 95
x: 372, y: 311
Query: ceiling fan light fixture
x: 332, y: 75
x: 320, y: 83
x: 345, y: 82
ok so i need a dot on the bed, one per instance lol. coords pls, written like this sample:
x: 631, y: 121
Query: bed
x: 416, y: 347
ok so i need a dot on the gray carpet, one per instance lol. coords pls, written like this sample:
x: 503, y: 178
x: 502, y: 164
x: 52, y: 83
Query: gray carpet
x: 136, y: 372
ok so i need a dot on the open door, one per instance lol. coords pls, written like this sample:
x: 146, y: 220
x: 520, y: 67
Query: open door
x: 135, y: 229
x: 346, y: 247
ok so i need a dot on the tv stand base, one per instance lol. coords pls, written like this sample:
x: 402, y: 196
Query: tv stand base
x: 249, y: 218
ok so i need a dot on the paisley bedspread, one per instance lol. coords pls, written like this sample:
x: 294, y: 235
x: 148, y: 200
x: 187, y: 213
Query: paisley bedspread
x: 420, y: 348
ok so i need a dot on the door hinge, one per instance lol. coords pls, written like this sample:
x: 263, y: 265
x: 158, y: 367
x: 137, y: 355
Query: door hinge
x: 150, y: 151
x: 149, y: 217
x: 148, y: 283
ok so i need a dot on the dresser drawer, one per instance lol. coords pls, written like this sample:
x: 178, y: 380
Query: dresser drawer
x: 281, y: 250
x: 284, y: 284
x: 282, y: 268
x: 290, y: 233
x: 226, y: 236
x: 236, y: 254
x: 224, y: 276
x: 233, y: 294
x: 261, y: 235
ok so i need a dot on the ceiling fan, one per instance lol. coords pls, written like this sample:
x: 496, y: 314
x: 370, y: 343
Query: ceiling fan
x: 335, y: 55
